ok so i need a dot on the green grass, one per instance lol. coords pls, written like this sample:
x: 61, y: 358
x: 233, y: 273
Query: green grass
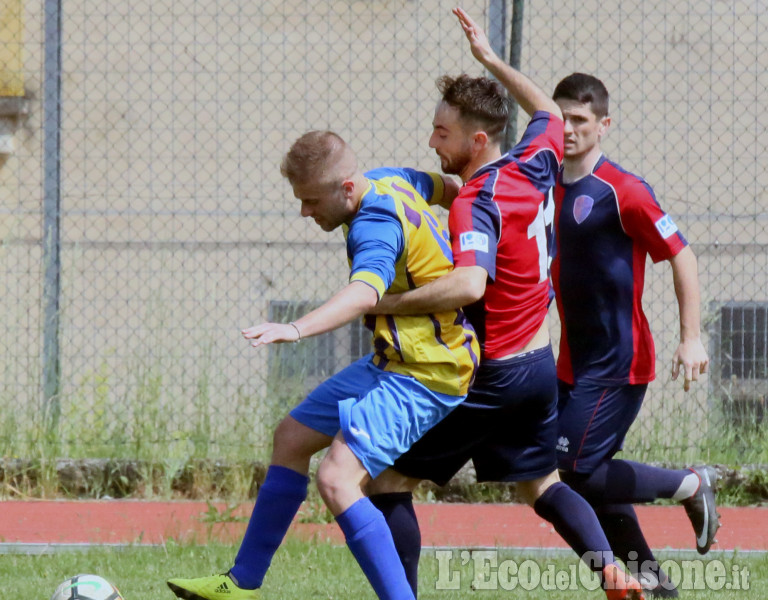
x: 722, y: 443
x: 316, y: 570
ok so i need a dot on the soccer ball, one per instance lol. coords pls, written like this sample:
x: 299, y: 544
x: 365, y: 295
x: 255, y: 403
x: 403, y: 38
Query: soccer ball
x: 86, y: 587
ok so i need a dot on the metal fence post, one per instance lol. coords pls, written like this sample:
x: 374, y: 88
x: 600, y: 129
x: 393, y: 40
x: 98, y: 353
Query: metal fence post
x: 515, y: 50
x: 497, y: 26
x: 51, y: 213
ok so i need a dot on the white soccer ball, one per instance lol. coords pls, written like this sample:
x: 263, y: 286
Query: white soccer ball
x: 86, y: 587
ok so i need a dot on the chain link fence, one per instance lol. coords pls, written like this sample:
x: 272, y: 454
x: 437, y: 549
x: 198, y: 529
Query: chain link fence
x: 143, y: 220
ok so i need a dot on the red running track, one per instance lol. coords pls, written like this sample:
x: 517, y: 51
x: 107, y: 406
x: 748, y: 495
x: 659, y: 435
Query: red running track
x: 466, y: 525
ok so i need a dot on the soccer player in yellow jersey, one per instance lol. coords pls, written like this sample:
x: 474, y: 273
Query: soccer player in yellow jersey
x: 375, y: 409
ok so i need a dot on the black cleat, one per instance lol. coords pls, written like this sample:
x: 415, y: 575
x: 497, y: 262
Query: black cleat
x: 701, y: 509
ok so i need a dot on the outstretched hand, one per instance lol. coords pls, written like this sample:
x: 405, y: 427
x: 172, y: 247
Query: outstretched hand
x: 693, y: 359
x: 268, y: 333
x: 478, y: 41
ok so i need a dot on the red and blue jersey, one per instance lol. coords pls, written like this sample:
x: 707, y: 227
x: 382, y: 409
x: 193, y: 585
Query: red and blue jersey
x: 605, y: 225
x: 499, y: 221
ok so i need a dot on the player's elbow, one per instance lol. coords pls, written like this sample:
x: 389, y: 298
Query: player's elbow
x: 472, y: 284
x: 369, y: 307
x: 684, y: 262
x: 368, y: 303
x: 362, y: 297
x: 473, y: 294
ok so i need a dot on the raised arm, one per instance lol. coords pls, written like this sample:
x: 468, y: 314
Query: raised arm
x: 527, y: 94
x: 690, y: 354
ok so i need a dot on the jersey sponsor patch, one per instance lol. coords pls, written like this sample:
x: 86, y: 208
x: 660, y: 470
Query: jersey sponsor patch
x: 582, y: 206
x: 666, y: 226
x: 473, y: 240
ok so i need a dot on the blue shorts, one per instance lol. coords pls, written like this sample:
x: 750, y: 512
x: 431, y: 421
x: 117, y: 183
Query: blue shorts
x: 380, y: 414
x: 506, y: 426
x: 593, y: 422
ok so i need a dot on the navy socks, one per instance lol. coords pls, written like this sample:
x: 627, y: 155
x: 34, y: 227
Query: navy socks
x: 397, y: 508
x: 575, y: 520
x: 626, y: 482
x: 621, y: 527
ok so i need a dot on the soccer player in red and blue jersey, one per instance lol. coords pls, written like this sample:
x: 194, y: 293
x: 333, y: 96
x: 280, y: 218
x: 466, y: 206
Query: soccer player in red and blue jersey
x: 607, y: 221
x: 498, y: 226
x: 375, y: 409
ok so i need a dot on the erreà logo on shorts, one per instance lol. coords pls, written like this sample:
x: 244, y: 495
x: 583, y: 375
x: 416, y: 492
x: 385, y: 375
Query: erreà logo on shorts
x: 473, y: 240
x: 666, y: 226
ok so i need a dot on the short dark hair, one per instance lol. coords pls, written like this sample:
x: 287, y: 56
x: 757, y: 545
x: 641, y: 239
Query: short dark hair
x: 480, y: 100
x: 586, y: 89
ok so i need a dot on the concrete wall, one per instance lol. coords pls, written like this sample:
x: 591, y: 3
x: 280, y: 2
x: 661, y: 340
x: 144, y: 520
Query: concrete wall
x: 177, y: 229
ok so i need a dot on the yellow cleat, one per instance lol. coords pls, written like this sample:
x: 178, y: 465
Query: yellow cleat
x: 215, y: 587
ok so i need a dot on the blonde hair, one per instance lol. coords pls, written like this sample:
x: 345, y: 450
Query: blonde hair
x: 320, y: 158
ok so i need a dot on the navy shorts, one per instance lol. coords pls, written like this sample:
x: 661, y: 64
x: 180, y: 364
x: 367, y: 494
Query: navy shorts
x: 593, y: 422
x: 506, y: 426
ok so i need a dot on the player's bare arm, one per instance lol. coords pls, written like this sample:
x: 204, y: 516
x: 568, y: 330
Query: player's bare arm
x: 690, y: 354
x: 527, y: 94
x: 460, y: 287
x: 350, y: 303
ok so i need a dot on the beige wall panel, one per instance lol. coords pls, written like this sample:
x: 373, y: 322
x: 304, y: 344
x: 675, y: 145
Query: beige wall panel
x: 177, y: 226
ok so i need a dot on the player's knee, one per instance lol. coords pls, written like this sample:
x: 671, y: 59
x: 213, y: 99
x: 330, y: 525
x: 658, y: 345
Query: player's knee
x: 530, y: 491
x: 389, y: 482
x: 527, y: 492
x: 283, y: 436
x: 341, y: 477
x: 332, y: 482
x: 326, y: 478
x: 289, y: 445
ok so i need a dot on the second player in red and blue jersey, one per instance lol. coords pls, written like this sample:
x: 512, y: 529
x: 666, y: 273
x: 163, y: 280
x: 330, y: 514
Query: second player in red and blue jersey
x: 607, y: 221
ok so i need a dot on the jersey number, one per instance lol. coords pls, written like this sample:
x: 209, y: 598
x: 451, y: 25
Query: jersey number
x: 541, y: 230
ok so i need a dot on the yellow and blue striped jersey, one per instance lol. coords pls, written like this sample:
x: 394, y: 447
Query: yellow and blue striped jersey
x: 394, y: 244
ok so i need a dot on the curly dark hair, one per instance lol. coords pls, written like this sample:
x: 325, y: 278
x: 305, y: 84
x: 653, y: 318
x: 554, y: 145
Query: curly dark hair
x: 480, y: 100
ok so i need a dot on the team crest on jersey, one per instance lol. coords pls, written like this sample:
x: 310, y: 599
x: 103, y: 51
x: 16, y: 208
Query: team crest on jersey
x: 582, y: 206
x: 666, y: 226
x: 473, y: 240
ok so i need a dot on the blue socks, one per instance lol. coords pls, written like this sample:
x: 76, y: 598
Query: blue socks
x: 370, y: 542
x: 279, y: 499
x: 397, y: 508
x: 368, y: 536
x: 575, y: 520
